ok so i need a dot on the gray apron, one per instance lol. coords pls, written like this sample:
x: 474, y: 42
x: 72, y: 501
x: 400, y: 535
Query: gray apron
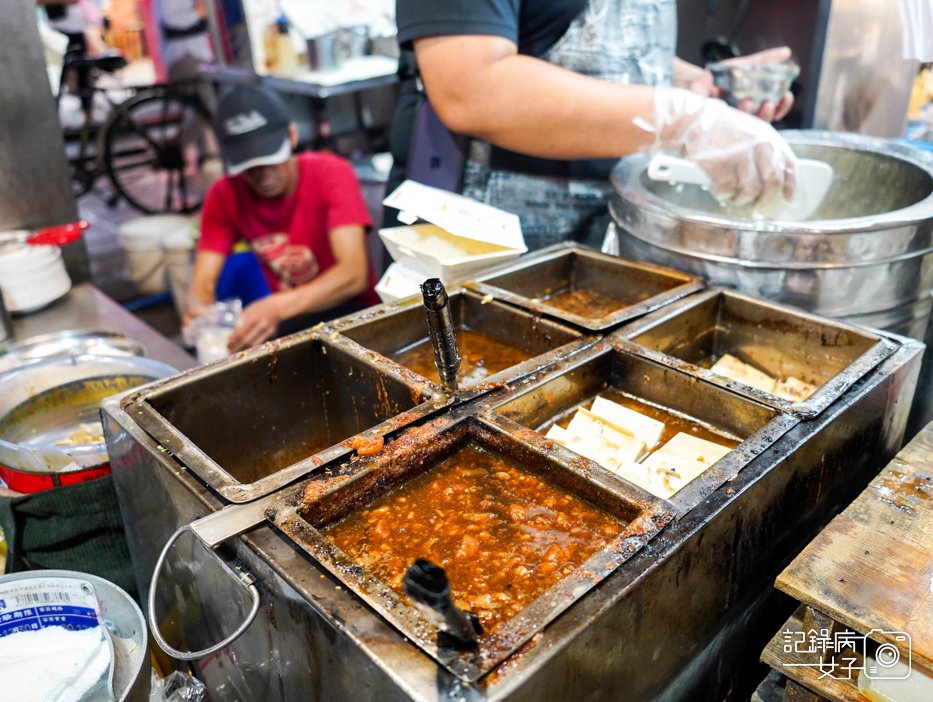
x: 622, y: 41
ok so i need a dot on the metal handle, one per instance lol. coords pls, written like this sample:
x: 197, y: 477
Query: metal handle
x: 245, y: 578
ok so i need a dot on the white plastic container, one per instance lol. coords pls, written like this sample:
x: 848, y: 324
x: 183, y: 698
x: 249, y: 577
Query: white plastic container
x: 178, y: 255
x: 141, y: 241
x: 462, y: 236
x: 398, y: 282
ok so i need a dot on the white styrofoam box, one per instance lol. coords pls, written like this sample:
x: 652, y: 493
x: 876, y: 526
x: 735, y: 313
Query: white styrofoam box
x: 439, y: 254
x: 398, y: 282
x: 462, y: 236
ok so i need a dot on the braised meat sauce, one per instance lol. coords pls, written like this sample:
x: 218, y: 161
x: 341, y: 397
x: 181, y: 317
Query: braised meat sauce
x: 502, y: 534
x: 480, y: 357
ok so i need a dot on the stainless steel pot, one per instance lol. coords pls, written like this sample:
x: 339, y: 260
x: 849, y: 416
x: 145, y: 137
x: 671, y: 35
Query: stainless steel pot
x: 865, y: 256
x: 43, y: 404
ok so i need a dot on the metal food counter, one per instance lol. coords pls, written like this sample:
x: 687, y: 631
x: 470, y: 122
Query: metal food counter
x: 86, y: 307
x: 678, y: 612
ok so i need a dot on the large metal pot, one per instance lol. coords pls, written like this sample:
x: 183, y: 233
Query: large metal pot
x: 866, y: 255
x: 43, y: 405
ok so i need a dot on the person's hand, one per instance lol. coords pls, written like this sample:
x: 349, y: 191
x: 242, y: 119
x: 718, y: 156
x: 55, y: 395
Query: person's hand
x: 257, y: 323
x: 767, y: 110
x: 746, y: 159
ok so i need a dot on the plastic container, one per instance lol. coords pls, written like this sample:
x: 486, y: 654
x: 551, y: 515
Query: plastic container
x: 141, y: 241
x: 178, y: 255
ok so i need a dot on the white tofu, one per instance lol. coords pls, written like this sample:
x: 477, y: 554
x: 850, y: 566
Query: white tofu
x: 693, y: 448
x: 627, y: 420
x: 589, y: 427
x: 559, y: 434
x: 592, y: 447
x: 734, y: 369
x: 661, y: 475
x: 644, y: 477
x: 793, y: 389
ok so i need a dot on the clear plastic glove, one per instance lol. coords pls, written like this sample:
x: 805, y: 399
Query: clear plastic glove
x: 746, y: 159
x: 767, y: 110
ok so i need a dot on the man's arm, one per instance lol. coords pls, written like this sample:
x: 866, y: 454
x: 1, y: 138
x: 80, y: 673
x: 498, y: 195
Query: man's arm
x: 480, y: 85
x: 347, y: 278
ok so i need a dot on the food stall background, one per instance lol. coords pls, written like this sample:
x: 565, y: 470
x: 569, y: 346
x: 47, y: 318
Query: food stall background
x: 35, y: 190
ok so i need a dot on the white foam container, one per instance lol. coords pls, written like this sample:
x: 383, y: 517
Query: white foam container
x: 461, y: 236
x: 398, y: 282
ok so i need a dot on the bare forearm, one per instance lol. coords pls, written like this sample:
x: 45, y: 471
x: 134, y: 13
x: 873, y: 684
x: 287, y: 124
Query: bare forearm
x: 528, y: 105
x: 331, y: 288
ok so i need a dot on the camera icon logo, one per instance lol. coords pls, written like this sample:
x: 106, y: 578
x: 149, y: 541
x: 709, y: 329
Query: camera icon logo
x: 890, y: 662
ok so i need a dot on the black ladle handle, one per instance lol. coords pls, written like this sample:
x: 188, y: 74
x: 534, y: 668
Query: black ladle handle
x: 441, y: 332
x: 428, y: 587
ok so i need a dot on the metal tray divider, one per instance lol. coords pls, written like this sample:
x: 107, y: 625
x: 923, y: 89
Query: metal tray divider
x: 823, y: 397
x: 653, y: 514
x: 690, y: 285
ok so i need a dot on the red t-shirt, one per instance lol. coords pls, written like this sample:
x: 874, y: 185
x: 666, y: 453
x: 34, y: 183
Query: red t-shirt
x: 288, y: 234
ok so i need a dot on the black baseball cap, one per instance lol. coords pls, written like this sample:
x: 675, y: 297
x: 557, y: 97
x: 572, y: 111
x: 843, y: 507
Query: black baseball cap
x: 252, y: 125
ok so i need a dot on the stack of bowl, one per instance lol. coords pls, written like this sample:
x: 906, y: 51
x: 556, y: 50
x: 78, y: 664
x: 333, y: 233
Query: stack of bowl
x: 32, y: 277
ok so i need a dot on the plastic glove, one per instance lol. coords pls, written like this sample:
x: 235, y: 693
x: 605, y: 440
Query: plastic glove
x: 746, y: 159
x: 767, y: 110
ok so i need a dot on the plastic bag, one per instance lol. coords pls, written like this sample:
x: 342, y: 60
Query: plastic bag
x: 210, y: 331
x: 177, y: 687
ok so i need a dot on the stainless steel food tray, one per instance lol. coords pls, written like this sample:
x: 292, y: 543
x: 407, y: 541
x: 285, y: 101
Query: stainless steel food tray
x: 555, y: 394
x: 252, y: 424
x: 779, y: 340
x: 531, y: 280
x: 388, y: 329
x: 418, y: 450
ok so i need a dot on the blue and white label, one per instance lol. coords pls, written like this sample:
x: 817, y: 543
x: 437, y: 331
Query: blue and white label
x: 37, y: 603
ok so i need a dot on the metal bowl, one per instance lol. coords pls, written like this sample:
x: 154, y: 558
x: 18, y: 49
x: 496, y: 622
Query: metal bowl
x: 756, y: 83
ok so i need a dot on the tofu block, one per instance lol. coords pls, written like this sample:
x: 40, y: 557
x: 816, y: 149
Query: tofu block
x: 646, y: 478
x: 670, y: 472
x: 559, y: 434
x: 592, y: 447
x: 730, y: 367
x: 692, y: 448
x: 589, y: 427
x: 629, y: 421
x: 793, y: 389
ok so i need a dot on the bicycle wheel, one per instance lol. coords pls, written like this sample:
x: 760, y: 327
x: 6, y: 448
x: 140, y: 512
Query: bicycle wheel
x: 154, y: 145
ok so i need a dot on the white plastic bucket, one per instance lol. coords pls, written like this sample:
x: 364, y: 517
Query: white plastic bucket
x: 178, y: 255
x: 141, y: 241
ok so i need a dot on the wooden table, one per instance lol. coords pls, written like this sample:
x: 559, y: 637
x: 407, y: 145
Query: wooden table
x: 869, y: 572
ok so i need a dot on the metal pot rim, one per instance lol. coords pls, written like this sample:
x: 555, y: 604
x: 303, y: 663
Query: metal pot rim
x: 626, y: 180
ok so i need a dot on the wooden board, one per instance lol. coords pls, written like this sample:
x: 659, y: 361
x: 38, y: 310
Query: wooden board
x: 803, y: 668
x: 871, y: 568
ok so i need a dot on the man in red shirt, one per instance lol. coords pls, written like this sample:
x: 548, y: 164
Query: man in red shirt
x: 304, y: 217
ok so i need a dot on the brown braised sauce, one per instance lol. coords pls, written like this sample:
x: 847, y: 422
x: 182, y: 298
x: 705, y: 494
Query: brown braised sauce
x: 503, y: 535
x: 586, y: 302
x: 480, y: 357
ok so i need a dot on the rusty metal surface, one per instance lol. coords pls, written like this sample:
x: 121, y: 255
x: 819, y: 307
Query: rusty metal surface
x: 531, y: 280
x: 387, y: 329
x: 615, y: 368
x: 254, y: 423
x: 780, y: 340
x: 418, y: 451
